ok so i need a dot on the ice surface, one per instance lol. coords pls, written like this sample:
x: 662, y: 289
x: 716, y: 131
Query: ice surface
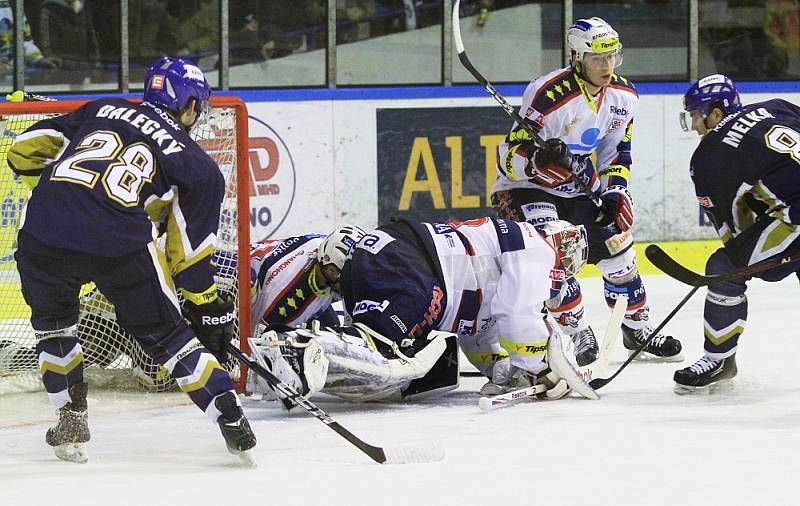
x: 640, y: 444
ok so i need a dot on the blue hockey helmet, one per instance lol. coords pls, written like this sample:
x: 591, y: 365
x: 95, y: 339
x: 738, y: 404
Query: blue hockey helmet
x: 172, y: 82
x: 714, y: 90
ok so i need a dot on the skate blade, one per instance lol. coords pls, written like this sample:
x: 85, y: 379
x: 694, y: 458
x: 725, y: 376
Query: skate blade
x: 718, y: 387
x: 247, y: 457
x: 72, y: 452
x: 649, y: 357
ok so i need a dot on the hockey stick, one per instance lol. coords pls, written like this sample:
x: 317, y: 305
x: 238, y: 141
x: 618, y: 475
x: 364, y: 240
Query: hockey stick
x: 613, y: 330
x: 506, y: 398
x: 462, y: 55
x: 397, y: 455
x: 673, y: 269
x: 599, y: 383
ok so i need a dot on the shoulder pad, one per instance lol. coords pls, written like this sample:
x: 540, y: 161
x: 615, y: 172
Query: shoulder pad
x: 557, y: 90
x: 622, y: 83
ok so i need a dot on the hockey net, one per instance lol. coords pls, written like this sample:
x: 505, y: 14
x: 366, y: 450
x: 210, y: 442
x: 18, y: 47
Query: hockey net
x: 111, y: 355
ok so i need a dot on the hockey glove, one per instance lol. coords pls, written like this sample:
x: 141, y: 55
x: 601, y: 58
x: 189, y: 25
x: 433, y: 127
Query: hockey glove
x: 555, y: 164
x: 213, y: 324
x: 617, y: 208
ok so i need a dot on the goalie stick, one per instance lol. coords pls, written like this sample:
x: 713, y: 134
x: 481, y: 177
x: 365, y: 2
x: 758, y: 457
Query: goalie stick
x: 462, y: 56
x: 599, y: 366
x: 429, y: 452
x: 599, y: 383
x: 673, y: 269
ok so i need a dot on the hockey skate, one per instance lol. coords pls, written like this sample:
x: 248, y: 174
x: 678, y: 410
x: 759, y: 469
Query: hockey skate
x: 501, y: 375
x: 586, y: 347
x: 236, y: 429
x: 660, y: 349
x: 70, y: 435
x: 706, y: 376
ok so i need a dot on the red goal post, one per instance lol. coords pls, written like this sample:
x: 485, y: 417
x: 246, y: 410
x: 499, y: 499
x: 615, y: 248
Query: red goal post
x: 224, y: 136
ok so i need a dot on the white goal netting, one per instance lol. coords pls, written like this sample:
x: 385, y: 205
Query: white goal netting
x: 110, y: 353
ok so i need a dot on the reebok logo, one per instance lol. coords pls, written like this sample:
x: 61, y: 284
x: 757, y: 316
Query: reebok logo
x: 619, y: 111
x: 217, y: 320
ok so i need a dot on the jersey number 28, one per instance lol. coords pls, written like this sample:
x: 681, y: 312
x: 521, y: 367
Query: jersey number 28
x: 127, y: 167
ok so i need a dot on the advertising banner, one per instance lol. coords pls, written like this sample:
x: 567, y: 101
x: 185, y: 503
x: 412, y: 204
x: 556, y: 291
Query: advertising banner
x: 437, y: 163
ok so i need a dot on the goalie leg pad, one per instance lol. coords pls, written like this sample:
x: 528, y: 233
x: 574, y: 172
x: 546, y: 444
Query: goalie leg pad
x: 443, y: 375
x: 359, y: 372
x: 301, y: 365
x: 562, y: 368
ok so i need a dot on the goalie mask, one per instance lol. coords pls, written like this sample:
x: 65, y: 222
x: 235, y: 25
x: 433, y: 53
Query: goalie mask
x: 593, y: 38
x: 711, y: 91
x: 570, y: 243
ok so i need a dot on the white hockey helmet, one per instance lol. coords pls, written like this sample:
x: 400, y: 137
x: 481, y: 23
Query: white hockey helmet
x: 570, y: 243
x: 592, y: 36
x: 337, y: 246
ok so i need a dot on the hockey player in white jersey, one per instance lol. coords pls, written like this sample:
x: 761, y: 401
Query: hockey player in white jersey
x: 416, y: 290
x: 586, y: 112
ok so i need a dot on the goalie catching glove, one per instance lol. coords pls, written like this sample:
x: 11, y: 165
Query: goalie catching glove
x: 213, y: 324
x: 617, y: 208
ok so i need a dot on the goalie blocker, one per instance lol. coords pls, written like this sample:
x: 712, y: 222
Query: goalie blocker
x: 354, y: 363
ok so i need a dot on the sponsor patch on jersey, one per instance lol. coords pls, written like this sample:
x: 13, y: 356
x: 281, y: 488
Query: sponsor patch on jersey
x: 539, y: 214
x: 619, y: 242
x: 509, y: 236
x: 375, y: 241
x: 705, y: 202
x: 465, y: 327
x: 615, y: 123
x: 364, y: 306
x: 619, y: 111
x: 442, y: 228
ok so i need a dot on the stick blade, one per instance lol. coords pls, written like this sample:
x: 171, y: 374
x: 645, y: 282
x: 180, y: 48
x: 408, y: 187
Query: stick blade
x: 599, y: 383
x: 670, y: 267
x: 421, y: 453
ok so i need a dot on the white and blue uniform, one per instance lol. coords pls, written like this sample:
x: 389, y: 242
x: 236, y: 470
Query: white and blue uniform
x: 285, y: 284
x: 485, y: 280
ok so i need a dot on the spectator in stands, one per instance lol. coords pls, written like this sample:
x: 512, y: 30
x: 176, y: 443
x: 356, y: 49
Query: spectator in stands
x: 195, y: 24
x: 356, y: 15
x: 66, y: 33
x: 782, y: 30
x: 33, y: 56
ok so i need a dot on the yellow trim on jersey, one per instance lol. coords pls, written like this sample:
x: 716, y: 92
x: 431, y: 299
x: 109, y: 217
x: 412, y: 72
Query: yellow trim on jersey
x: 484, y: 357
x: 524, y: 349
x: 615, y: 170
x: 34, y: 153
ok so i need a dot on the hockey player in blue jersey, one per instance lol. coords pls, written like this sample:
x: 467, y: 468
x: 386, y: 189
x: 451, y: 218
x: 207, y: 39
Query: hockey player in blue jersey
x: 418, y: 291
x: 585, y: 111
x: 745, y: 173
x: 107, y: 180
